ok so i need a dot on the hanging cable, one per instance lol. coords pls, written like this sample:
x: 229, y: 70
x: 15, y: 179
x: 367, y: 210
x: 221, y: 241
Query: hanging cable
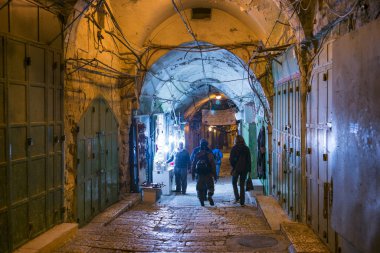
x: 72, y: 22
x: 190, y: 31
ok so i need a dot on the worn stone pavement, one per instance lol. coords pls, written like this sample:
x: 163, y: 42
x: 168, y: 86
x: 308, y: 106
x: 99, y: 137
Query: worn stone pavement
x: 179, y: 223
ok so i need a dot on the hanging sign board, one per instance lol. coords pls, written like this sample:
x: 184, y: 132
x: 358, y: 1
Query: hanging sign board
x: 218, y: 117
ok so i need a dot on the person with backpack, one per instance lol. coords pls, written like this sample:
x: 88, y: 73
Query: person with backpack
x: 218, y: 155
x: 240, y: 160
x: 204, y: 166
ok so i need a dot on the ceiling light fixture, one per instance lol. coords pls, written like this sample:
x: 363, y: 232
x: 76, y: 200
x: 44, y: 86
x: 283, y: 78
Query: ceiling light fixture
x: 218, y: 96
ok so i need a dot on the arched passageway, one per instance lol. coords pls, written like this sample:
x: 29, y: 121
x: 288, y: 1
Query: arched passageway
x: 160, y: 65
x: 204, y: 91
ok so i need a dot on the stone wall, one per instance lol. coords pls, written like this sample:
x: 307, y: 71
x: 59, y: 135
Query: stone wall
x: 94, y: 68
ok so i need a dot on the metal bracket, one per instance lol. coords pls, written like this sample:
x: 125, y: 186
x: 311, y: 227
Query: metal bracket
x: 28, y: 61
x: 29, y: 141
x: 325, y: 76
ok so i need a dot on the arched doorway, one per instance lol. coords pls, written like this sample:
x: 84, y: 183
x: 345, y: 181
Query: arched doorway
x: 186, y: 82
x: 97, y: 161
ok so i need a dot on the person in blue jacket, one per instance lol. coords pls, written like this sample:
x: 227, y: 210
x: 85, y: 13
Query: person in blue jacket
x: 218, y: 155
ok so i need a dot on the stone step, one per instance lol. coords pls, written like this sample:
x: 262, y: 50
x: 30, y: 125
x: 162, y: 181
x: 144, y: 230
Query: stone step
x: 258, y: 186
x: 272, y: 211
x: 51, y: 239
x: 126, y: 202
x: 302, y: 238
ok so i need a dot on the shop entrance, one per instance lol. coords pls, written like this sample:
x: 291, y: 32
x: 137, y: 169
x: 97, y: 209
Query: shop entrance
x: 97, y: 161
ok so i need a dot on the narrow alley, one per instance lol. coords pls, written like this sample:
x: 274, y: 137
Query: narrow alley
x: 178, y: 223
x: 108, y: 106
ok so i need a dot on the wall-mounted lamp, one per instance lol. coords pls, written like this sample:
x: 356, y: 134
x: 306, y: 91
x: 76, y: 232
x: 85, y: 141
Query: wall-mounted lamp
x: 210, y: 128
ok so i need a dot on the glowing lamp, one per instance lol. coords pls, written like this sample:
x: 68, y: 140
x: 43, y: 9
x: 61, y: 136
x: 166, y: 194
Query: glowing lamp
x: 218, y: 96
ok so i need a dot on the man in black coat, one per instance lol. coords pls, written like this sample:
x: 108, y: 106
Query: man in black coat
x: 240, y: 160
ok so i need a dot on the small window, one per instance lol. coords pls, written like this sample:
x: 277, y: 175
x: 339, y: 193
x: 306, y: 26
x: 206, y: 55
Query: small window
x: 201, y: 13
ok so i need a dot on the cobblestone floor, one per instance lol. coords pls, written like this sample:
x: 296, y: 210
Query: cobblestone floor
x: 179, y: 223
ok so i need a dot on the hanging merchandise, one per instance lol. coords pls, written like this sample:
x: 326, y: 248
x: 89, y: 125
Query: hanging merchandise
x: 161, y: 169
x: 168, y: 134
x: 143, y: 149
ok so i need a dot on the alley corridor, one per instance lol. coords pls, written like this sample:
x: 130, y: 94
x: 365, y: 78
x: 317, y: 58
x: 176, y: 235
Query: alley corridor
x: 179, y: 223
x: 105, y: 103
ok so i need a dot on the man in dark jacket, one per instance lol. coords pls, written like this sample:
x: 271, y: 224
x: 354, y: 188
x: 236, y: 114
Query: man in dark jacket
x: 204, y: 166
x: 182, y: 164
x: 240, y: 160
x: 181, y: 167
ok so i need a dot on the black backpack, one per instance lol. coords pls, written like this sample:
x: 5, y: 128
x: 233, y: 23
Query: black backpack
x: 203, y: 166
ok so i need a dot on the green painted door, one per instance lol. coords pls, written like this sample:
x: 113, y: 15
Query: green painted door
x: 31, y: 134
x: 97, y: 161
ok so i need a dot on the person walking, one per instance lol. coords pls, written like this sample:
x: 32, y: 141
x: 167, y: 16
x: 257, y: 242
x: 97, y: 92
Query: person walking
x: 204, y: 166
x: 218, y: 155
x: 240, y: 160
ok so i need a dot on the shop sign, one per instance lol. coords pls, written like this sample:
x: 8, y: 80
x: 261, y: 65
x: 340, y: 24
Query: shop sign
x: 218, y: 117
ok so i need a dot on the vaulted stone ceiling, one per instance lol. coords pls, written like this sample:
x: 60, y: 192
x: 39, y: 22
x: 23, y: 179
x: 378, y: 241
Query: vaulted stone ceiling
x: 236, y: 27
x: 181, y: 78
x: 139, y: 18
